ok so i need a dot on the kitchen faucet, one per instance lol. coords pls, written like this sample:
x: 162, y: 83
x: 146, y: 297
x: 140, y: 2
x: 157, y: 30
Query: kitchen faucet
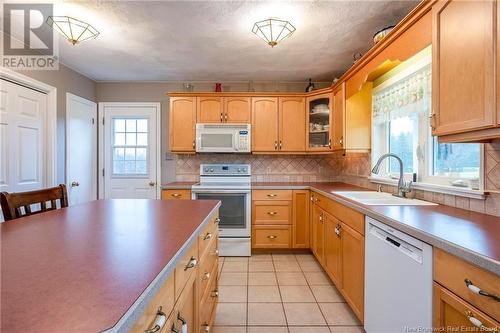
x: 403, y: 186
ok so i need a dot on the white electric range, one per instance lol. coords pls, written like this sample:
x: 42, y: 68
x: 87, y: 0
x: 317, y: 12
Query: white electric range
x: 231, y: 184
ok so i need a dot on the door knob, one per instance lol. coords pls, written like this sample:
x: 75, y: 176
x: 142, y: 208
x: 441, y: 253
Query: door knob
x: 152, y: 183
x: 75, y: 184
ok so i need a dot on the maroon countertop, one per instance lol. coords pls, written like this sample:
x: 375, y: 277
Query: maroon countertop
x: 79, y: 269
x: 472, y: 236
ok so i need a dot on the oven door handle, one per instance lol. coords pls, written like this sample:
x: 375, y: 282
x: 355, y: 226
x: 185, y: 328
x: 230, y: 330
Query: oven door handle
x: 201, y: 191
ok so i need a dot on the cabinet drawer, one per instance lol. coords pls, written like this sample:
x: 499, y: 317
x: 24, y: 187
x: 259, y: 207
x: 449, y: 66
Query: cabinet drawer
x: 272, y: 212
x: 349, y: 216
x: 271, y: 237
x: 272, y: 195
x: 209, y: 234
x: 165, y: 299
x: 176, y: 194
x: 185, y: 267
x: 208, y: 267
x: 208, y: 304
x: 453, y: 272
x: 453, y: 314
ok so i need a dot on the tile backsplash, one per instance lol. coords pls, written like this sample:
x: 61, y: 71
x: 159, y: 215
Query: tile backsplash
x: 352, y: 168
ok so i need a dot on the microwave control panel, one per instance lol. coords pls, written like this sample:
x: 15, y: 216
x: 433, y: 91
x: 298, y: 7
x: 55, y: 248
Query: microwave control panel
x: 243, y: 141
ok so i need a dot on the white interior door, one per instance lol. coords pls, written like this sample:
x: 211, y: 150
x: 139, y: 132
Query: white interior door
x: 130, y: 150
x: 81, y: 149
x: 22, y: 136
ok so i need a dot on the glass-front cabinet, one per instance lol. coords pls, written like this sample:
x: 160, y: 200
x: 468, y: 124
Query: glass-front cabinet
x: 319, y: 122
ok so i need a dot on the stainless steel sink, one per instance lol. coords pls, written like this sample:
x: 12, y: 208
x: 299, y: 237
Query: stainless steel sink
x: 373, y: 198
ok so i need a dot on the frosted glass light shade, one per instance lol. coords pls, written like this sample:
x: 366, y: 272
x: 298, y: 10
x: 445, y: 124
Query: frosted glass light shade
x: 273, y: 30
x: 74, y: 30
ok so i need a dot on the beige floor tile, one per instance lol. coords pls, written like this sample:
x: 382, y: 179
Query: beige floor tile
x: 286, y: 266
x: 317, y: 278
x: 229, y: 314
x: 346, y: 329
x: 303, y: 314
x: 291, y: 279
x: 232, y: 294
x: 262, y: 279
x: 309, y: 329
x: 284, y: 257
x: 310, y: 266
x: 338, y: 314
x: 304, y: 257
x: 327, y: 294
x: 235, y: 266
x: 261, y: 257
x: 267, y: 329
x: 297, y: 294
x: 233, y: 279
x: 262, y: 294
x: 261, y: 266
x: 228, y: 329
x: 266, y: 314
x: 235, y: 259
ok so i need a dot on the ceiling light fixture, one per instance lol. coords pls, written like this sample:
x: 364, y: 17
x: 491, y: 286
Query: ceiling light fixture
x: 74, y: 30
x: 273, y: 30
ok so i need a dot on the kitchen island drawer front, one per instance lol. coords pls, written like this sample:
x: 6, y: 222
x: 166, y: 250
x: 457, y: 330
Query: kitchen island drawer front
x: 271, y: 237
x: 275, y: 212
x: 161, y: 305
x: 349, y: 216
x: 453, y: 314
x: 176, y: 194
x: 208, y: 304
x: 185, y: 267
x: 466, y: 280
x: 272, y: 195
x: 207, y: 265
x: 210, y: 233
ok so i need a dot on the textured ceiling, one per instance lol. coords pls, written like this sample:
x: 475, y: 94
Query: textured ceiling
x: 212, y: 40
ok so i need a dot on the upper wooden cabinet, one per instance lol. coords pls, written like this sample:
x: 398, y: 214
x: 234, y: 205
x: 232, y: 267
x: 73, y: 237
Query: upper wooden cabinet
x: 319, y: 122
x: 182, y: 122
x: 464, y: 69
x: 338, y: 117
x: 264, y: 124
x: 292, y: 124
x: 223, y: 110
x: 237, y: 109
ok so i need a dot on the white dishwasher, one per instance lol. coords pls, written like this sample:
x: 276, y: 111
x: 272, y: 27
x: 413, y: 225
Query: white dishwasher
x: 398, y: 281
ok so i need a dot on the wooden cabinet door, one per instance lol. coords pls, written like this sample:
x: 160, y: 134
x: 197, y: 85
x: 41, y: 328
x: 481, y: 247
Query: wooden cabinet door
x: 463, y: 66
x: 209, y: 110
x: 300, y: 219
x: 319, y: 118
x: 333, y: 250
x: 317, y: 230
x: 292, y: 124
x: 237, y: 110
x: 453, y: 314
x: 338, y: 117
x: 264, y: 124
x: 353, y: 268
x: 185, y: 313
x: 182, y: 123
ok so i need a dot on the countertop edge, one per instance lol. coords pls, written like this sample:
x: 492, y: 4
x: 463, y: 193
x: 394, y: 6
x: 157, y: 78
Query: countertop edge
x: 130, y: 317
x: 176, y: 187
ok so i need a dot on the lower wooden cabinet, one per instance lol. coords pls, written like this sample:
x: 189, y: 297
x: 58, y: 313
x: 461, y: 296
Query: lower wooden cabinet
x: 317, y: 232
x: 300, y: 219
x: 271, y: 236
x: 176, y: 194
x: 333, y: 250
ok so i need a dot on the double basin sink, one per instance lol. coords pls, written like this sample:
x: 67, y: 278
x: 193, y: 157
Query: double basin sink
x: 373, y: 198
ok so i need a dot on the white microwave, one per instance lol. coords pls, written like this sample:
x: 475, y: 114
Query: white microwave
x: 223, y: 138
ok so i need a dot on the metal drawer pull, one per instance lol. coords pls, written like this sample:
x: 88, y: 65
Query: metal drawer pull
x: 476, y: 322
x: 192, y: 263
x: 477, y: 290
x: 272, y: 213
x: 206, y: 276
x: 214, y: 293
x: 206, y: 328
x: 338, y: 228
x: 217, y: 220
x: 272, y: 237
x: 184, y: 327
x: 216, y: 252
x: 176, y: 195
x: 207, y: 236
x: 162, y: 318
x: 174, y: 329
x: 272, y: 195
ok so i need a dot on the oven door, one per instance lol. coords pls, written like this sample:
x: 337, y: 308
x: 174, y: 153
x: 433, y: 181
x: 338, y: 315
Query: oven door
x: 234, y: 212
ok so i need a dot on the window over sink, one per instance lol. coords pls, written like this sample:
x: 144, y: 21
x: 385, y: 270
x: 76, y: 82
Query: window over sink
x: 401, y: 107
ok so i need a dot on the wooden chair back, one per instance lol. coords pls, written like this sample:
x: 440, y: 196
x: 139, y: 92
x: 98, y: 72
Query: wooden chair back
x: 16, y: 205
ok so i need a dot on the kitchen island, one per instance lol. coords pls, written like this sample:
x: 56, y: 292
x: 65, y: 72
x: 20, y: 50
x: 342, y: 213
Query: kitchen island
x: 98, y: 266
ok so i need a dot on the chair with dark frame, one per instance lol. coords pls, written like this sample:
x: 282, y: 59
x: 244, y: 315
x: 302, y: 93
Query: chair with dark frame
x: 17, y: 205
